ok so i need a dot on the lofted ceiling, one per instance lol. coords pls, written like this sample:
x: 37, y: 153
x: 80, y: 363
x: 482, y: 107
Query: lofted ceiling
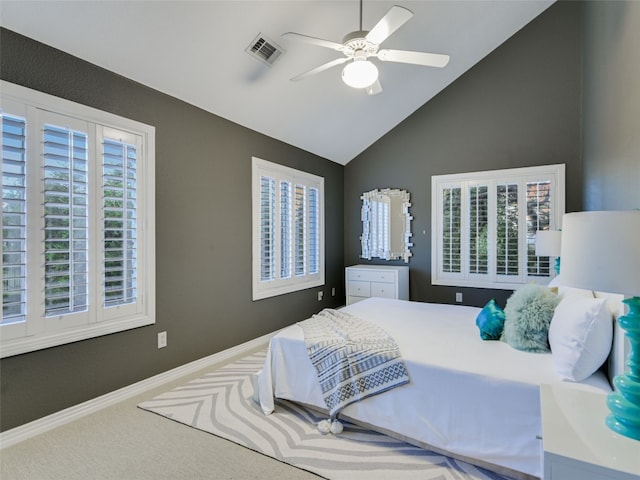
x: 195, y: 51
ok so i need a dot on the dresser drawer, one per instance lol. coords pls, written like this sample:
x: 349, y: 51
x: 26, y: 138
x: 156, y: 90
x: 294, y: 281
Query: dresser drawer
x: 372, y: 276
x: 359, y: 289
x: 386, y: 290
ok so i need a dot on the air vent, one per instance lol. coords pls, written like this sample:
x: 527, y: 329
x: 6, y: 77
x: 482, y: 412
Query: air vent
x: 264, y: 49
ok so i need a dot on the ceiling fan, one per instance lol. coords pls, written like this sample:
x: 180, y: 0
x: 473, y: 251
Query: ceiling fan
x: 361, y: 45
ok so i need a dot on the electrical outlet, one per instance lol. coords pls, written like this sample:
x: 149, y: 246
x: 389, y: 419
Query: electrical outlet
x: 320, y: 293
x: 162, y: 339
x: 459, y: 297
x: 333, y: 291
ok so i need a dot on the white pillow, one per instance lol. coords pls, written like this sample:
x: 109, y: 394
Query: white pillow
x: 580, y: 336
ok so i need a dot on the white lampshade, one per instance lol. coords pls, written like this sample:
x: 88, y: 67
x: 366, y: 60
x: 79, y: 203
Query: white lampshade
x: 359, y: 73
x: 548, y: 243
x: 601, y: 251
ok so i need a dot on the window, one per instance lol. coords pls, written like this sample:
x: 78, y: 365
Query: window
x: 78, y: 243
x: 288, y: 229
x: 484, y: 225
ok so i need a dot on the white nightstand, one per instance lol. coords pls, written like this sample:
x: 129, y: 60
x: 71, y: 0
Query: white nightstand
x: 577, y: 443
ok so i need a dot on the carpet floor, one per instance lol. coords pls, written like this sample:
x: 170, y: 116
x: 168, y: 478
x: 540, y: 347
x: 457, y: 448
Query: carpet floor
x: 221, y: 403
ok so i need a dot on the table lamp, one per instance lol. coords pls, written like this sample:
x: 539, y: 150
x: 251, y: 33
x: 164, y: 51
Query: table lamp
x: 601, y: 252
x: 548, y: 243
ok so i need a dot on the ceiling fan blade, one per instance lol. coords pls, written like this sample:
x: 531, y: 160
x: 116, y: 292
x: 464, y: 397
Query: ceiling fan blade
x: 319, y: 69
x: 417, y: 58
x: 393, y: 20
x: 374, y: 88
x: 314, y: 41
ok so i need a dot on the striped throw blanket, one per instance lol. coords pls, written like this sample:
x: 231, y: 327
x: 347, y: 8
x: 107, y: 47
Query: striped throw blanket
x: 353, y: 358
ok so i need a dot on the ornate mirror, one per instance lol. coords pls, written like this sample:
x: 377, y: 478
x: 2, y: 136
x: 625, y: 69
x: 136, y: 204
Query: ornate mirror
x: 386, y: 224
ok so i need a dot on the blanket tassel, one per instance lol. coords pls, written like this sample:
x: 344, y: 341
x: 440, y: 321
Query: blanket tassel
x: 328, y: 426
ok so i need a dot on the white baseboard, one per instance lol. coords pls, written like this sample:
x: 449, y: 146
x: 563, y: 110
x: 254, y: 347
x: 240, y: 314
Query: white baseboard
x: 44, y: 424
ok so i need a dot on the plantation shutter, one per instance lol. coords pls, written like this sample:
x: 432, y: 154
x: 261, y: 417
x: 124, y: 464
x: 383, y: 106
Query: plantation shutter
x: 14, y: 220
x: 120, y: 214
x: 314, y: 231
x: 287, y: 218
x: 300, y: 247
x: 286, y: 231
x: 451, y: 230
x: 267, y: 228
x: 73, y: 189
x: 538, y: 218
x: 484, y: 225
x: 507, y: 234
x: 66, y: 213
x: 478, y: 230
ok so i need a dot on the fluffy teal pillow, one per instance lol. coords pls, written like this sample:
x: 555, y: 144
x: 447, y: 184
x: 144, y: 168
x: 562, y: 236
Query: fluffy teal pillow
x: 490, y: 321
x: 527, y: 317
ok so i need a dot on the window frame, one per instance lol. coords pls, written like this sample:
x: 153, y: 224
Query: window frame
x: 39, y: 331
x: 279, y: 286
x: 555, y: 174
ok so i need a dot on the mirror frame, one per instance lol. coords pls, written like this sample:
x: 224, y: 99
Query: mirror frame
x: 391, y: 240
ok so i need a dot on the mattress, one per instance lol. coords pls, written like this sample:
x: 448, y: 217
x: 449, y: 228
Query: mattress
x: 472, y: 398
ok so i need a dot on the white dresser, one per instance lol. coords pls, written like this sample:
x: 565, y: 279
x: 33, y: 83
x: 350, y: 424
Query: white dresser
x: 577, y: 443
x: 364, y: 281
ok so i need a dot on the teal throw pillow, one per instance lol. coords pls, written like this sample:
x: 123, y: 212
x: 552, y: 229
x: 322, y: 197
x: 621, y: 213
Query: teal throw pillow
x: 528, y: 315
x: 490, y: 321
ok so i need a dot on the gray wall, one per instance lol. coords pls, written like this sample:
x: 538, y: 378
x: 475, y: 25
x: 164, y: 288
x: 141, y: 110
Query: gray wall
x: 203, y: 236
x: 520, y: 106
x: 611, y: 105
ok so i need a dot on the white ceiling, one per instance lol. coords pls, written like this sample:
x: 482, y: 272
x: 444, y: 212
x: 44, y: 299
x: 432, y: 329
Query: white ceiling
x: 195, y: 51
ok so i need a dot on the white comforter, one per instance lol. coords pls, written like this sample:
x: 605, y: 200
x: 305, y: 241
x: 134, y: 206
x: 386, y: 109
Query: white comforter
x: 473, y: 398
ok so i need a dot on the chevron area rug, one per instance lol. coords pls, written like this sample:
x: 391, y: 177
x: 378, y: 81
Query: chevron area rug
x: 221, y: 403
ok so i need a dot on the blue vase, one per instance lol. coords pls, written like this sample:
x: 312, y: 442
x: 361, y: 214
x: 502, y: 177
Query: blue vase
x: 625, y: 402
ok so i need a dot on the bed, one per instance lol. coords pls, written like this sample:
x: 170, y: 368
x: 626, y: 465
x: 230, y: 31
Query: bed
x: 468, y: 398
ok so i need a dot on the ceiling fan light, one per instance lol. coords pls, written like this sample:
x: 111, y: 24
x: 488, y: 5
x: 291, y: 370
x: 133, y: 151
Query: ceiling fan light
x: 359, y: 74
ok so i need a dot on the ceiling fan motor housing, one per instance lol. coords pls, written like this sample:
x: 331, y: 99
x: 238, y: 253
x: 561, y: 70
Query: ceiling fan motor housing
x: 356, y: 41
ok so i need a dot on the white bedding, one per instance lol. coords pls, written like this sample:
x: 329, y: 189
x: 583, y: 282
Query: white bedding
x: 473, y: 398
